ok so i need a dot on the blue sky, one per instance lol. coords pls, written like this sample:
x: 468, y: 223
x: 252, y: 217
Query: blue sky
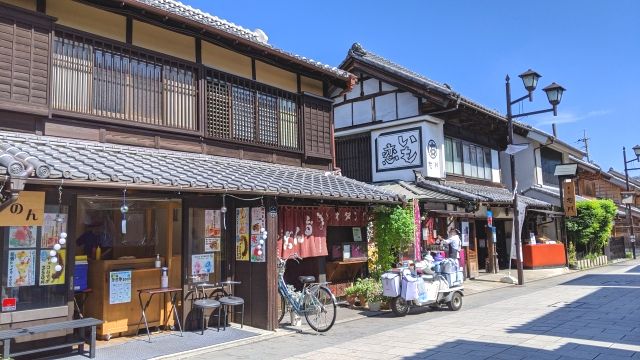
x: 592, y: 48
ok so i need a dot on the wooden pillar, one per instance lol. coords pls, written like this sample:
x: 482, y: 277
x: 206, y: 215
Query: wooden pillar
x: 271, y: 271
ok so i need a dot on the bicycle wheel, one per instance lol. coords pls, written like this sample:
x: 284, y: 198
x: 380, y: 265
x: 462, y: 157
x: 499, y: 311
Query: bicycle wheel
x: 282, y: 308
x: 320, y: 309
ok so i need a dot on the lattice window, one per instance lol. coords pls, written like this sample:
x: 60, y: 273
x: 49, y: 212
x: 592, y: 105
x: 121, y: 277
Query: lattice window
x: 218, y: 109
x: 243, y: 113
x: 267, y: 119
x: 288, y: 123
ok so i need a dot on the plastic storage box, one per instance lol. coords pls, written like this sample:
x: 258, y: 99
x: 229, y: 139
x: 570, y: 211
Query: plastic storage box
x: 391, y: 284
x: 80, y: 277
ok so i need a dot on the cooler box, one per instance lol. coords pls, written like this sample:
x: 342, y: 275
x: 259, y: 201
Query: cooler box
x: 409, y: 288
x: 80, y: 277
x: 391, y: 284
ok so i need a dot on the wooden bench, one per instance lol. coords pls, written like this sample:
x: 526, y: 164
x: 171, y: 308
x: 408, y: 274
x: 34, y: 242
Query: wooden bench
x: 78, y: 339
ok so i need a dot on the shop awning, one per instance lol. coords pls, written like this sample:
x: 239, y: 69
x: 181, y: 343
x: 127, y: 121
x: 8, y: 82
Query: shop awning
x: 412, y: 191
x: 455, y: 214
x: 548, y: 212
x: 492, y: 195
x: 95, y: 164
x: 548, y: 194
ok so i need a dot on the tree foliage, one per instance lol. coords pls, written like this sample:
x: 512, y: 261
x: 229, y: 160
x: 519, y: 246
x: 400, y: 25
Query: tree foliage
x: 592, y: 227
x: 393, y: 235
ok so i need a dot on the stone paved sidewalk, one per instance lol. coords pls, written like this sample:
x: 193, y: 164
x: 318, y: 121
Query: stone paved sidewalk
x: 583, y: 315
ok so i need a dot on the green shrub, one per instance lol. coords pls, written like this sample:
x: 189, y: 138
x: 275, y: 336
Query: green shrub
x: 592, y: 226
x: 393, y: 235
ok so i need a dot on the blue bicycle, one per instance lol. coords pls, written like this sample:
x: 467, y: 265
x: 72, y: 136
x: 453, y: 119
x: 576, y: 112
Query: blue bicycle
x: 315, y: 301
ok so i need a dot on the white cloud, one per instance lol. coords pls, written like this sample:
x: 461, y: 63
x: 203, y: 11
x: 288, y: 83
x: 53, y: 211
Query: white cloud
x: 569, y: 117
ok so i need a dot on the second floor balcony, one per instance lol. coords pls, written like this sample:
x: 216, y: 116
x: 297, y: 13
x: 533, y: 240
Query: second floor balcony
x: 112, y: 82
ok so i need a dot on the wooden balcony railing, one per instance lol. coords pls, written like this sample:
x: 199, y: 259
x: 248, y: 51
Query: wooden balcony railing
x: 94, y: 77
x: 246, y: 111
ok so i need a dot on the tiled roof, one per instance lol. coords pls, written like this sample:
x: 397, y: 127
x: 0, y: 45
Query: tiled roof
x: 590, y: 165
x: 185, y: 11
x: 554, y: 192
x: 99, y: 163
x: 619, y: 179
x: 412, y: 191
x: 357, y: 51
x: 480, y: 193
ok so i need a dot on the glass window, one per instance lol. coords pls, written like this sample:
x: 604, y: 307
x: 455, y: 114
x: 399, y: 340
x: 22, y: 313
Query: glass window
x: 448, y: 147
x: 100, y: 225
x: 288, y: 123
x: 206, y: 239
x: 457, y: 157
x: 467, y: 159
x: 549, y: 159
x: 488, y: 170
x: 27, y: 273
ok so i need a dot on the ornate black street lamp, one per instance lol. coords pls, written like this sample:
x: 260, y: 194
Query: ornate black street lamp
x: 632, y: 236
x: 554, y: 95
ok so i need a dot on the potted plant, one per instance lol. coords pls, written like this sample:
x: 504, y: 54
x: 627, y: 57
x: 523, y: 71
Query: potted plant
x: 374, y: 295
x: 351, y: 293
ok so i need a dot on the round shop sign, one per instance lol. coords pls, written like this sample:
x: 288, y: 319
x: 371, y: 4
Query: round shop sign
x: 432, y: 149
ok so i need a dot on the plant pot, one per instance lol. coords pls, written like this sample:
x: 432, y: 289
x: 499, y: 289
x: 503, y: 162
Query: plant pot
x: 374, y: 306
x: 351, y: 299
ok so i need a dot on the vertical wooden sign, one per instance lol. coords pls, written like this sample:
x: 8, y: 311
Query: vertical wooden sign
x: 569, y: 189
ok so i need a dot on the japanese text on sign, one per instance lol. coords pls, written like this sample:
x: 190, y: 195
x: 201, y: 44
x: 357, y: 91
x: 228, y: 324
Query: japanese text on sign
x: 28, y: 210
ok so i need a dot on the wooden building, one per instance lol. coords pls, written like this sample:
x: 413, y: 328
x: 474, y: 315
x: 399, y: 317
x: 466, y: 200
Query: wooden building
x: 401, y: 129
x: 157, y: 130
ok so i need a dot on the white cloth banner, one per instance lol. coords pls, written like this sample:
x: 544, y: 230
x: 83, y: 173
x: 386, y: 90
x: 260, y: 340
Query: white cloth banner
x: 522, y: 211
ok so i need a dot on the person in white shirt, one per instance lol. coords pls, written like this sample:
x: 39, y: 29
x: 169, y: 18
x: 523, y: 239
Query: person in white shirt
x: 454, y: 243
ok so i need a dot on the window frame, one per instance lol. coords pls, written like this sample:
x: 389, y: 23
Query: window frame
x: 458, y: 151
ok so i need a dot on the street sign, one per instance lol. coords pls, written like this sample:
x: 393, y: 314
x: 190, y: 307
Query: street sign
x: 28, y: 210
x: 569, y: 199
x: 489, y: 218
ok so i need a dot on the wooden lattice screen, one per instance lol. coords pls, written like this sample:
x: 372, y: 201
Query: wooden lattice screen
x: 317, y: 127
x: 24, y: 57
x: 353, y: 156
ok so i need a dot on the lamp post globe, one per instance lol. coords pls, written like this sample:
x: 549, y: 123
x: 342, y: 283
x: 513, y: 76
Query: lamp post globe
x: 636, y: 151
x: 554, y: 93
x: 530, y: 79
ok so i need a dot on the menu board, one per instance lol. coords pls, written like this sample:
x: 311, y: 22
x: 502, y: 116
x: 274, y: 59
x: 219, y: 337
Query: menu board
x: 48, y: 274
x: 120, y: 287
x: 21, y: 268
x: 257, y: 224
x: 242, y: 234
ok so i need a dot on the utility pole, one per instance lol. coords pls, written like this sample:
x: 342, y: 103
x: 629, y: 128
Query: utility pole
x: 585, y: 140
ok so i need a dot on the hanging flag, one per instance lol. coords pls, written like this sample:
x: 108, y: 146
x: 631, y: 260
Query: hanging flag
x: 418, y: 230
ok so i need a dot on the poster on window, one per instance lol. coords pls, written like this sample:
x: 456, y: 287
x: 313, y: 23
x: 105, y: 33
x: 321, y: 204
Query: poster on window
x: 465, y: 232
x: 48, y: 274
x: 21, y: 268
x: 212, y: 244
x: 257, y: 240
x: 397, y: 150
x: 212, y: 223
x: 52, y: 228
x: 22, y: 236
x: 201, y: 264
x: 242, y: 234
x: 120, y: 287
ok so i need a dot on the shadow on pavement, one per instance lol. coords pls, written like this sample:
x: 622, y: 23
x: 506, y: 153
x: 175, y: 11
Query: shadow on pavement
x: 465, y: 349
x: 610, y: 313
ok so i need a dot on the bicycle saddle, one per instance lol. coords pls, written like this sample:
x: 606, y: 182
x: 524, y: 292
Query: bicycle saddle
x: 306, y: 279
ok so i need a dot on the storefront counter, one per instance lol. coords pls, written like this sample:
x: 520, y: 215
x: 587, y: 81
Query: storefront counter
x: 115, y: 295
x: 543, y: 256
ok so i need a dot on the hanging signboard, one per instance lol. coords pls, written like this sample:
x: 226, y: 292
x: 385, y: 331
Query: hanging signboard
x: 48, y: 274
x: 28, y: 210
x: 397, y: 150
x: 627, y: 197
x: 242, y: 234
x: 212, y: 231
x: 119, y: 287
x: 569, y: 199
